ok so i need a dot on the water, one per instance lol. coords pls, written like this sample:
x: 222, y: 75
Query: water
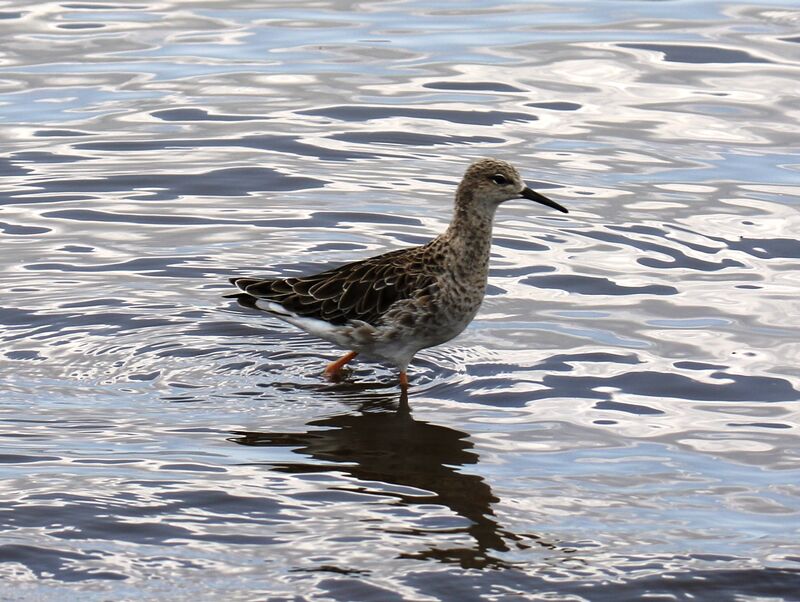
x: 619, y: 423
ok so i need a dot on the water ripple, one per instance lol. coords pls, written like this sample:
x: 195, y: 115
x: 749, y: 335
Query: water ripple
x: 622, y: 416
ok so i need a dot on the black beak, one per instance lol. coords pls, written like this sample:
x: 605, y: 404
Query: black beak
x: 540, y: 198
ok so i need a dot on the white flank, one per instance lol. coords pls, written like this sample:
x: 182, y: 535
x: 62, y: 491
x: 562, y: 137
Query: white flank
x: 321, y: 328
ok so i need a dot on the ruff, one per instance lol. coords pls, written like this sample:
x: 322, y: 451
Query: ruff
x: 390, y: 306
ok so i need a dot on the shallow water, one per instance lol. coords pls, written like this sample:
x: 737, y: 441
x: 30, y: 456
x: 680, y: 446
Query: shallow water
x: 620, y: 421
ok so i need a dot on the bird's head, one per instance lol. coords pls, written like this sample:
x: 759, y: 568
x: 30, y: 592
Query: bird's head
x: 491, y: 182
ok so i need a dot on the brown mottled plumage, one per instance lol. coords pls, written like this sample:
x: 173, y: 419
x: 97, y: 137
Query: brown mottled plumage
x: 390, y: 306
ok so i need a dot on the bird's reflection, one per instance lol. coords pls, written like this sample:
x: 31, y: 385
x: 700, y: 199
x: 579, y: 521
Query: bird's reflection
x: 392, y: 447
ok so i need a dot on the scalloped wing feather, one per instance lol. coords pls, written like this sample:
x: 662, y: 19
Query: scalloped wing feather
x: 363, y: 290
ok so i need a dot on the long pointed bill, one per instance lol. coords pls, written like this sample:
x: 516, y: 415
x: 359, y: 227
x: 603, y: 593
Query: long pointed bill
x: 540, y: 198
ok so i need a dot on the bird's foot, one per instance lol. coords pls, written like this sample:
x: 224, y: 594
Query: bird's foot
x: 404, y: 382
x: 334, y: 370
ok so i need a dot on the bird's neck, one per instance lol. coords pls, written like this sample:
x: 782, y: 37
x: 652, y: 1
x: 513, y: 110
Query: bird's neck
x: 469, y: 236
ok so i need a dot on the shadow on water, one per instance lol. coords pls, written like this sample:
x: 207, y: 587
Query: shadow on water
x: 382, y: 442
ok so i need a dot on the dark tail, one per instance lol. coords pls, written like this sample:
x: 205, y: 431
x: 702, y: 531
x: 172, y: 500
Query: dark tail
x: 243, y: 298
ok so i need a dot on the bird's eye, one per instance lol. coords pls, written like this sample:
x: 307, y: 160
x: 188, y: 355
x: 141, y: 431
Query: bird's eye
x: 499, y: 179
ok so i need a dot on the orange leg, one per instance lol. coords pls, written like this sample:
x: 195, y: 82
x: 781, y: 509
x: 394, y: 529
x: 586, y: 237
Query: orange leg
x: 334, y: 369
x: 404, y: 381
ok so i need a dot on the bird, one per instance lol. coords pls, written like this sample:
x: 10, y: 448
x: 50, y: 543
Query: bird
x: 389, y: 307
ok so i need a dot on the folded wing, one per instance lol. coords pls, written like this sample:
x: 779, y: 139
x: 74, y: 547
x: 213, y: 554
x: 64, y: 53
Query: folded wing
x: 362, y: 290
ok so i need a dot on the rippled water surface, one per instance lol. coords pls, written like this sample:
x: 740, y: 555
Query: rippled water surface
x: 620, y: 422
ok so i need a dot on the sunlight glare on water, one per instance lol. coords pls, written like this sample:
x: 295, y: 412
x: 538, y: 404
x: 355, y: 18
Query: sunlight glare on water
x: 620, y: 420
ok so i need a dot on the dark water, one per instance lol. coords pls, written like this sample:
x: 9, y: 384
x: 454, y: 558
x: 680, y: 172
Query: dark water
x: 619, y: 423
